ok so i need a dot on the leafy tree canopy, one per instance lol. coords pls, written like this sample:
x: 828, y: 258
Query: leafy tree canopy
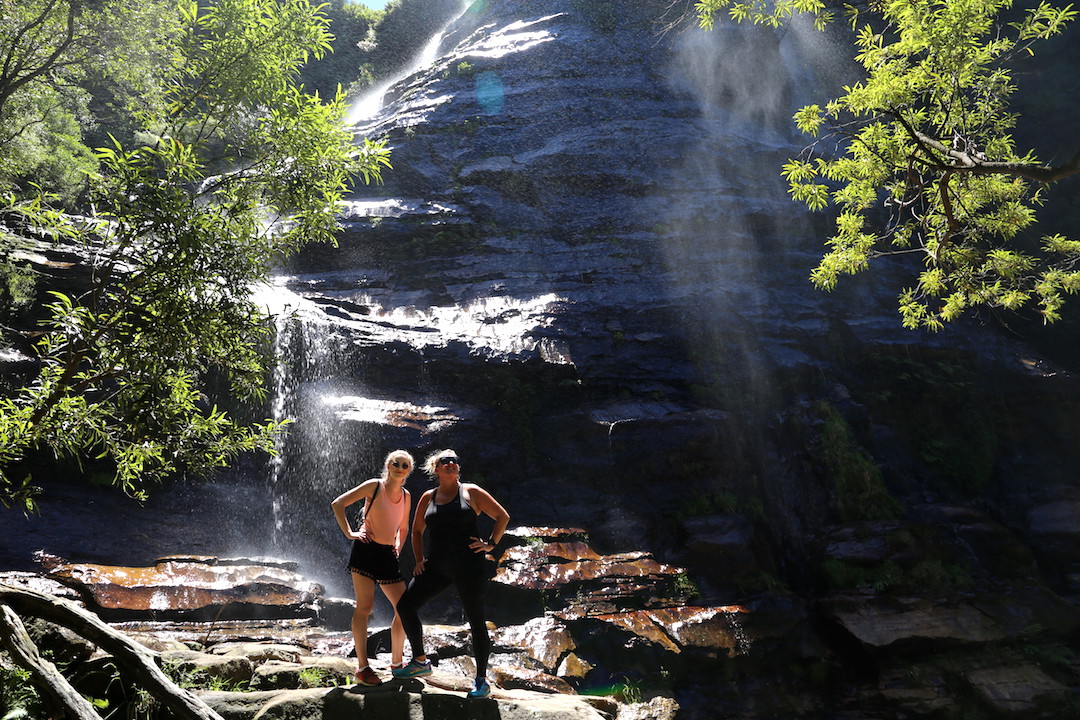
x: 918, y: 157
x: 235, y: 166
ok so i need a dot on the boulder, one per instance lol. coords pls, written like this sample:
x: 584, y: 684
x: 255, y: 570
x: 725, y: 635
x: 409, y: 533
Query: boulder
x: 547, y: 639
x: 202, y: 667
x: 321, y: 672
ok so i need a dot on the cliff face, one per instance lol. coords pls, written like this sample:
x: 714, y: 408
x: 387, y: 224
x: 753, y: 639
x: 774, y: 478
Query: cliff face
x: 584, y: 271
x: 584, y: 274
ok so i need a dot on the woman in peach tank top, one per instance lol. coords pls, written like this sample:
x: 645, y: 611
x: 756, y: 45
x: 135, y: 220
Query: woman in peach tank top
x: 375, y: 549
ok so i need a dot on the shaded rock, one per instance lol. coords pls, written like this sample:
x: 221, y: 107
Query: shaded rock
x: 880, y: 622
x: 1031, y: 611
x: 1015, y: 689
x: 194, y: 589
x: 722, y: 548
x: 923, y: 692
x: 861, y: 544
x: 59, y: 641
x: 1061, y: 517
x: 336, y: 613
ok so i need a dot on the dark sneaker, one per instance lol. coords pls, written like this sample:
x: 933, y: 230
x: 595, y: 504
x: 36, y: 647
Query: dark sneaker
x: 415, y: 668
x: 367, y: 677
x: 481, y: 689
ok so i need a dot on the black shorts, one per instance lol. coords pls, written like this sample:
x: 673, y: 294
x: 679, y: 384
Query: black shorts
x: 376, y: 561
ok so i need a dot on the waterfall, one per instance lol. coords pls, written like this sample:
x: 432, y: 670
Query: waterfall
x: 332, y: 442
x: 367, y: 106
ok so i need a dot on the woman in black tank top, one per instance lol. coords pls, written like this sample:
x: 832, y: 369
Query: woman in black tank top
x: 455, y: 557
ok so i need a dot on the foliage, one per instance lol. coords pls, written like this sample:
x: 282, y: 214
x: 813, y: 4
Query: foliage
x: 20, y: 698
x: 925, y: 163
x: 353, y: 26
x: 53, y: 57
x: 398, y: 35
x: 238, y: 167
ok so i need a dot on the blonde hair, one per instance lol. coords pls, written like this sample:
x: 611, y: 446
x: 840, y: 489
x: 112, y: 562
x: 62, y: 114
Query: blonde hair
x: 394, y: 455
x: 433, y: 460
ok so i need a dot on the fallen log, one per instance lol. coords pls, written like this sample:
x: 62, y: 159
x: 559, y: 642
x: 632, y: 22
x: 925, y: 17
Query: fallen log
x: 137, y: 660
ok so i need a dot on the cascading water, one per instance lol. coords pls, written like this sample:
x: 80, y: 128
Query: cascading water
x: 318, y: 386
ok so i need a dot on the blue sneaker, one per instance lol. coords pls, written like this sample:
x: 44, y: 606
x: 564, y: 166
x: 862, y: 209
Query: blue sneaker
x: 415, y: 668
x: 481, y: 689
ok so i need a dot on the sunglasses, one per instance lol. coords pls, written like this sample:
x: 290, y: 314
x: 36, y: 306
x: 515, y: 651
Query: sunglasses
x: 448, y: 460
x: 400, y: 464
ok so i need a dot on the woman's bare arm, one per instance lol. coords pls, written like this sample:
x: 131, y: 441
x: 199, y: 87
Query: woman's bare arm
x: 419, y: 524
x: 347, y: 498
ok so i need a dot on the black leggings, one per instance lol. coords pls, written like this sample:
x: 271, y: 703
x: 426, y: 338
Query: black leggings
x: 467, y: 574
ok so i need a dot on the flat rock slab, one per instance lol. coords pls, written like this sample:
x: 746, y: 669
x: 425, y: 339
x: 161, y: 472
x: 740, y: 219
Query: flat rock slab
x: 191, y: 589
x: 408, y: 700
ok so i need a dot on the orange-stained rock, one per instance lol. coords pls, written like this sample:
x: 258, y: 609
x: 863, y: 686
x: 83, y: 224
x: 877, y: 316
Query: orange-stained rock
x: 538, y: 575
x: 552, y: 552
x: 525, y: 534
x: 679, y: 628
x: 191, y: 589
x: 704, y: 627
x: 643, y: 625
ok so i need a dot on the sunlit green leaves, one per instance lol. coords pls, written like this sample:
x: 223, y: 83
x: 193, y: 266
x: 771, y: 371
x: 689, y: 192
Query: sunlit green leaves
x: 762, y: 12
x: 926, y: 138
x: 238, y: 167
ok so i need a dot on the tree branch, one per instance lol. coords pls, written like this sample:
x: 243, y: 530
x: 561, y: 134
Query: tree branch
x: 49, y: 681
x: 963, y: 161
x: 135, y: 658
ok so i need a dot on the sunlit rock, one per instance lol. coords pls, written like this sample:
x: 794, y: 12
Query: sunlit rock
x: 299, y: 632
x: 197, y: 666
x: 512, y: 677
x: 260, y: 652
x: 573, y: 667
x: 545, y: 638
x: 192, y: 589
x: 711, y: 628
x: 276, y: 674
x: 39, y: 583
x: 658, y: 708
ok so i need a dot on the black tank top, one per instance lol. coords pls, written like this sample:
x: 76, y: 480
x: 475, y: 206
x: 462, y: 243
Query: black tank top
x: 451, y: 525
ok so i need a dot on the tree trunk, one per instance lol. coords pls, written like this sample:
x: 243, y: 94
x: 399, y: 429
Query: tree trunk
x: 139, y: 661
x: 15, y: 639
